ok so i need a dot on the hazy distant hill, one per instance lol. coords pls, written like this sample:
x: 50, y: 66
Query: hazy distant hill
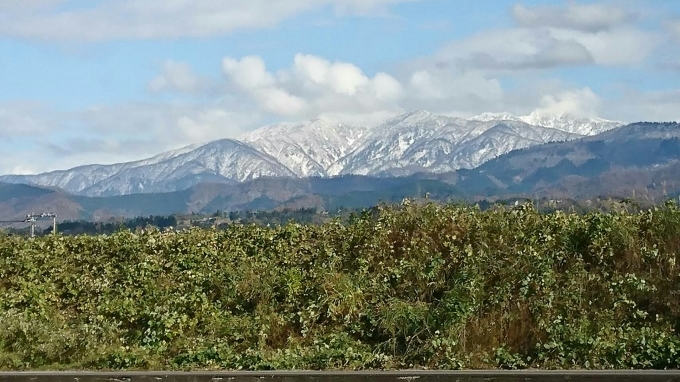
x: 259, y: 194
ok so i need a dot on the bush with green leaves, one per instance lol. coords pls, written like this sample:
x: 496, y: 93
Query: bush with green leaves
x: 409, y: 286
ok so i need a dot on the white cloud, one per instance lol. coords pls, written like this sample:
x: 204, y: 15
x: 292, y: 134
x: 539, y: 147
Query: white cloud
x: 529, y: 49
x: 500, y: 48
x: 386, y: 87
x: 312, y: 87
x: 452, y: 88
x: 663, y: 105
x: 583, y: 17
x: 177, y: 76
x: 624, y: 46
x: 113, y: 134
x: 23, y: 119
x: 250, y: 75
x: 513, y: 49
x: 160, y: 19
x: 168, y: 125
x: 604, y: 29
x: 580, y: 103
x: 673, y: 27
x: 509, y: 69
x: 212, y: 123
x: 318, y: 74
x: 249, y: 72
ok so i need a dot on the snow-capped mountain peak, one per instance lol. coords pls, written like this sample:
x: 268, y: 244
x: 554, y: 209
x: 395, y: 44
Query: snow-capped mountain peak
x: 487, y: 117
x: 582, y: 126
x: 415, y: 141
x: 312, y: 148
x: 566, y: 123
x: 419, y: 117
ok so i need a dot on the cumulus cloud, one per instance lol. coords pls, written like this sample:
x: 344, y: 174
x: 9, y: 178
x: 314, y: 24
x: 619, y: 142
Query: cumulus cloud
x: 595, y: 17
x: 248, y: 73
x: 158, y: 19
x: 250, y: 76
x: 341, y: 77
x: 312, y: 87
x: 467, y: 76
x: 579, y: 103
x: 177, y: 76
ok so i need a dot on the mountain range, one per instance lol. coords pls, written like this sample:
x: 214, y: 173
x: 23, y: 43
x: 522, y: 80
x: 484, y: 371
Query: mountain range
x: 642, y: 158
x: 281, y: 167
x: 411, y: 143
x: 639, y: 160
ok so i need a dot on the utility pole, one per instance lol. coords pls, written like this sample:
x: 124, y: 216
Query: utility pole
x: 33, y: 218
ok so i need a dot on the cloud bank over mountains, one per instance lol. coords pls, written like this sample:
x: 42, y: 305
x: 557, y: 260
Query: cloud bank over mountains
x: 516, y: 67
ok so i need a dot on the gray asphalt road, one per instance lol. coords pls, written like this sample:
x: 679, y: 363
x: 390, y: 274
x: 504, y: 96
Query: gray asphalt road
x: 295, y: 376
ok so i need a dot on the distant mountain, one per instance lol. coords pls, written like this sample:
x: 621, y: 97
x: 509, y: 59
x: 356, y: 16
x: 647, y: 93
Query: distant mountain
x: 634, y: 158
x: 219, y: 161
x: 410, y: 143
x: 80, y: 179
x: 260, y: 194
x: 19, y: 200
x: 307, y: 149
x: 422, y: 142
x: 579, y: 126
x: 641, y: 160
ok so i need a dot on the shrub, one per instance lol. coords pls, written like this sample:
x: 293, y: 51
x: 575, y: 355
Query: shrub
x: 398, y: 287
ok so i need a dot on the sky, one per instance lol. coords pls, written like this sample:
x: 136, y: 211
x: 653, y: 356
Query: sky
x: 106, y: 81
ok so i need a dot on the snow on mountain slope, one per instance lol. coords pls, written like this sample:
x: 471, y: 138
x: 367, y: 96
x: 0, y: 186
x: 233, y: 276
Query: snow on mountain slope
x: 224, y: 160
x: 582, y: 126
x: 77, y: 179
x: 386, y: 144
x: 489, y: 117
x: 502, y: 138
x: 424, y: 142
x: 219, y: 161
x: 416, y: 141
x: 308, y: 149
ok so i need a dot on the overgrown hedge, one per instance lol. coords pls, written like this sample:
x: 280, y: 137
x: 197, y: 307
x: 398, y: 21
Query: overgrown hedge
x: 401, y: 287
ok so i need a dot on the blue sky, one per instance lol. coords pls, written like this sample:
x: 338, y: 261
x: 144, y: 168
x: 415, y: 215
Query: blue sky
x: 114, y: 80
